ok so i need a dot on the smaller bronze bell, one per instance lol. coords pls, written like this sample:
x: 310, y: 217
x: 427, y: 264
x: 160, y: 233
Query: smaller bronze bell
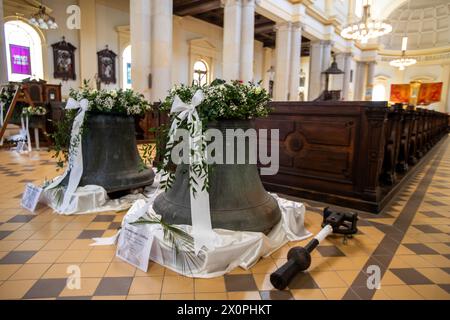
x: 110, y: 155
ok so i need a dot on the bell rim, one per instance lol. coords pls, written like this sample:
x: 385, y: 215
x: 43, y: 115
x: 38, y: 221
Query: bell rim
x: 269, y: 198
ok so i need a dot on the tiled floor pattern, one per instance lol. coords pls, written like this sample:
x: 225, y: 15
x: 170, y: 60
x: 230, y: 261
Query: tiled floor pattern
x: 409, y: 241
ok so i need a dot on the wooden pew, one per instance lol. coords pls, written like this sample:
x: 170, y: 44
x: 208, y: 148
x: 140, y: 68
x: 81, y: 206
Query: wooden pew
x: 352, y: 154
x: 393, y: 135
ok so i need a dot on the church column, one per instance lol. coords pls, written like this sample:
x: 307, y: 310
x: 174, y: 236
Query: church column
x: 88, y: 41
x: 326, y: 62
x: 370, y: 80
x: 247, y: 40
x: 267, y: 65
x: 346, y: 59
x: 359, y: 80
x: 445, y: 101
x: 315, y: 70
x: 296, y: 44
x: 232, y: 39
x: 140, y: 32
x: 3, y: 63
x: 283, y: 59
x: 162, y: 36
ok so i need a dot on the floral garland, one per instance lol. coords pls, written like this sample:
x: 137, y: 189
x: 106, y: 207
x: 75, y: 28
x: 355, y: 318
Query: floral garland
x: 34, y: 111
x: 6, y: 96
x: 223, y: 100
x: 117, y: 102
x: 126, y: 102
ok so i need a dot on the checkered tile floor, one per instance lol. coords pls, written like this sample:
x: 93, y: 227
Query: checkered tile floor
x: 409, y: 241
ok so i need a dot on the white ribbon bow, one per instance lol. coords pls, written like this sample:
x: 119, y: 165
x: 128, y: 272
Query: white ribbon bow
x: 75, y: 166
x: 186, y: 111
x: 200, y: 209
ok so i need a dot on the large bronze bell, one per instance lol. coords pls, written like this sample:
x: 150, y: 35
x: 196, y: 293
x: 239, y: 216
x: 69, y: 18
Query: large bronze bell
x: 238, y: 200
x: 110, y: 155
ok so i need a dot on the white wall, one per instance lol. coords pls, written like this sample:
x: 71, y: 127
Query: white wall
x: 53, y: 36
x: 108, y: 18
x: 187, y: 29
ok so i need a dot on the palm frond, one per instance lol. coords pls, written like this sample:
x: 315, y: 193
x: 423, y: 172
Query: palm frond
x: 58, y: 194
x: 180, y: 241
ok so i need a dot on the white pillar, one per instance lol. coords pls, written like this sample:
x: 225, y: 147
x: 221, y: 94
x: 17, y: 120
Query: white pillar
x: 296, y: 44
x: 3, y: 63
x: 345, y: 59
x: 247, y: 40
x: 232, y: 39
x: 140, y: 32
x: 370, y: 80
x: 88, y: 41
x: 283, y: 59
x: 162, y: 36
x: 326, y: 62
x: 360, y: 81
x: 315, y: 70
x: 444, y: 105
x: 266, y: 67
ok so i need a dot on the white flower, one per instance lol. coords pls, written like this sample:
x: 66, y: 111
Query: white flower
x: 109, y: 103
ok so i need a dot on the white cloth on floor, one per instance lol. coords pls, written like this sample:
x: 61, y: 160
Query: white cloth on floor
x: 231, y: 250
x: 92, y: 199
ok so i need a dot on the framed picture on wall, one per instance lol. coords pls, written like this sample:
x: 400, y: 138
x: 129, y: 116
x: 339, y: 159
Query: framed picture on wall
x: 107, y: 66
x: 64, y: 60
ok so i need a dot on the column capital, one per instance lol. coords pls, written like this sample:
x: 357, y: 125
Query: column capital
x: 326, y: 43
x: 226, y: 3
x: 315, y: 44
x: 250, y: 2
x: 281, y: 26
x: 345, y: 54
x: 298, y: 25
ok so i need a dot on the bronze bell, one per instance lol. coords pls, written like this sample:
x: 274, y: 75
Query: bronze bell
x: 110, y: 155
x: 238, y: 200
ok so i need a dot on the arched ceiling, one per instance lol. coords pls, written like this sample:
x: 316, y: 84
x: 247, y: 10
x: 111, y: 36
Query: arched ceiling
x: 425, y: 22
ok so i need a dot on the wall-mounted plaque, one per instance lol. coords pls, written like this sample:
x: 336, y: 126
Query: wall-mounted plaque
x: 64, y: 60
x: 107, y: 66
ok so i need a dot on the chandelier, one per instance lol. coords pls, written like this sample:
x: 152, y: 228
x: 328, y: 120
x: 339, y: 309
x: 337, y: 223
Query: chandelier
x: 42, y: 20
x: 403, y: 61
x: 366, y: 29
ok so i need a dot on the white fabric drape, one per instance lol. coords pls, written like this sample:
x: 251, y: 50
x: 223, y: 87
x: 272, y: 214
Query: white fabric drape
x: 231, y: 249
x: 75, y: 167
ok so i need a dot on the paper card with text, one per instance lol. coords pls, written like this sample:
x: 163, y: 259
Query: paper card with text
x: 134, y: 245
x: 31, y: 197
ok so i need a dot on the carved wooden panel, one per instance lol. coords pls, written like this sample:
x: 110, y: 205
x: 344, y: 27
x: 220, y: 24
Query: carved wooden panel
x: 315, y: 146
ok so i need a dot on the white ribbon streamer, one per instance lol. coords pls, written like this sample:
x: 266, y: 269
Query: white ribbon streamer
x: 1, y: 119
x: 75, y: 167
x: 202, y: 231
x: 25, y: 132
